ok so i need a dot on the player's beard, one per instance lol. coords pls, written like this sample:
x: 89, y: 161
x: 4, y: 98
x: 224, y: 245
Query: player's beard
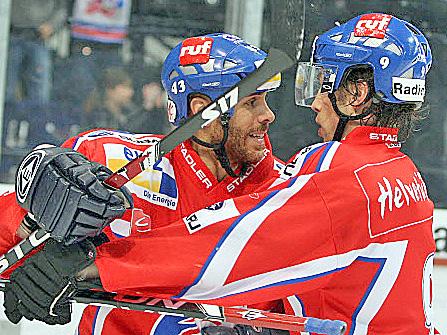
x: 240, y: 147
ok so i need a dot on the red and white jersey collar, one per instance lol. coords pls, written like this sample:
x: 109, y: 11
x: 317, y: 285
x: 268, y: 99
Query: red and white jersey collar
x: 206, y: 178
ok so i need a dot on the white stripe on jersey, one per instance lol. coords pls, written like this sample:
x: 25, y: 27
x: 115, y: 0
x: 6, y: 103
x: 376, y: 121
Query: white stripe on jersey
x: 329, y: 156
x: 297, y: 308
x: 234, y: 241
x: 207, y: 288
x: 101, y: 315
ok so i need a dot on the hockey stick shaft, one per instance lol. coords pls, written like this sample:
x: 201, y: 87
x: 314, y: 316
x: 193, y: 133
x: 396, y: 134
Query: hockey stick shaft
x: 236, y: 315
x: 23, y: 248
x: 275, y: 62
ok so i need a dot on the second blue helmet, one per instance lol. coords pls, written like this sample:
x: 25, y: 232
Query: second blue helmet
x: 397, y: 52
x: 208, y: 65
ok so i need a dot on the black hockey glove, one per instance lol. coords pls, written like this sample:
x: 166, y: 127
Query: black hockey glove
x: 40, y: 288
x: 64, y: 192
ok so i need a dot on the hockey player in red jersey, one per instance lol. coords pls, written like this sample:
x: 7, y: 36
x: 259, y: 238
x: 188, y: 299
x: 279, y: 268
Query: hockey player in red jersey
x: 345, y: 232
x: 230, y: 157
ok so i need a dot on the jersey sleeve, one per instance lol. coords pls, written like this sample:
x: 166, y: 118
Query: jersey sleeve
x: 262, y: 251
x: 12, y: 216
x: 93, y: 149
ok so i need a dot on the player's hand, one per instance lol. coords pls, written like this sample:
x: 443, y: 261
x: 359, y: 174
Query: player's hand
x: 64, y: 192
x: 40, y: 288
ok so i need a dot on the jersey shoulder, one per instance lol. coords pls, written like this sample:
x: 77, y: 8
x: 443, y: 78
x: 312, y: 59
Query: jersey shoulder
x: 313, y: 158
x: 97, y: 144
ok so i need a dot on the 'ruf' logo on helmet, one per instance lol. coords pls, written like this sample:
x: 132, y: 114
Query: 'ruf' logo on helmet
x: 195, y: 50
x: 372, y: 25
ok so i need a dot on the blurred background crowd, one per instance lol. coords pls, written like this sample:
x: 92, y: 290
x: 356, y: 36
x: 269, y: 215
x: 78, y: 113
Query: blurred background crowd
x: 74, y: 65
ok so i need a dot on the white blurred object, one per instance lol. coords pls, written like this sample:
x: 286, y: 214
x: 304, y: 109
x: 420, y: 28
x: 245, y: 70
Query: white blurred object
x: 440, y: 298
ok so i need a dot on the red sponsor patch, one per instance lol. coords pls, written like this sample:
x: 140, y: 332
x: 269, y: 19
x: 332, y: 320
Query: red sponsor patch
x: 195, y: 50
x: 396, y: 199
x: 372, y: 25
x: 140, y: 221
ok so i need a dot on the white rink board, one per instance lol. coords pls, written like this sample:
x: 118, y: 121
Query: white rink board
x: 37, y: 328
x: 440, y: 298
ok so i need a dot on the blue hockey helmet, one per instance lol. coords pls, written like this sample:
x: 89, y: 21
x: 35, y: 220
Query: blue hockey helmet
x: 397, y: 51
x: 208, y: 65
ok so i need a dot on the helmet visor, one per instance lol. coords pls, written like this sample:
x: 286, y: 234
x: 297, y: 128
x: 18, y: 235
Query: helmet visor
x: 312, y: 79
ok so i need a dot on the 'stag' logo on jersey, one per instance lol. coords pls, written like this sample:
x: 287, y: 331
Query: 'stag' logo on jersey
x: 26, y: 173
x: 196, y: 50
x: 372, y: 25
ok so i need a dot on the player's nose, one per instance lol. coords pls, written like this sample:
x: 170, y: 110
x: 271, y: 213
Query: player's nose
x: 267, y: 115
x: 316, y: 104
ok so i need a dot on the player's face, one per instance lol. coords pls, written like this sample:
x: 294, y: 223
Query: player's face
x: 248, y: 127
x: 347, y: 102
x: 122, y: 93
x: 326, y: 117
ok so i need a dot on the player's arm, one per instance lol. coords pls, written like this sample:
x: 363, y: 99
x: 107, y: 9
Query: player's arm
x: 280, y: 228
x: 12, y: 215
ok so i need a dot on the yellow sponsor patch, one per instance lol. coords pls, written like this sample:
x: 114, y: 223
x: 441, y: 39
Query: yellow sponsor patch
x: 156, y: 185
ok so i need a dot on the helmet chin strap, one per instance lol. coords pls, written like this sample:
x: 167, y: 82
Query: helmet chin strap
x: 219, y: 148
x: 343, y: 118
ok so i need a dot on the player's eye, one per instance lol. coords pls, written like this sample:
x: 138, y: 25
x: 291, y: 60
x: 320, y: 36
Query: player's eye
x: 251, y: 102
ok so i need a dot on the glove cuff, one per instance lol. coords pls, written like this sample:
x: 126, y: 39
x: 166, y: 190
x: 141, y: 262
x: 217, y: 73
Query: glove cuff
x: 71, y: 259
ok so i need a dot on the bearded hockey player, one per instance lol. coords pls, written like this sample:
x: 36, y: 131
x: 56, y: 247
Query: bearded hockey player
x: 230, y: 157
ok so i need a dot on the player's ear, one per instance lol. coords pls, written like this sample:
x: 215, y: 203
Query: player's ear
x: 361, y: 89
x: 197, y: 103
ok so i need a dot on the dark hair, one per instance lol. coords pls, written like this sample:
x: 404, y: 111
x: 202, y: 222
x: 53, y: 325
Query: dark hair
x: 110, y: 78
x: 114, y: 76
x: 405, y: 116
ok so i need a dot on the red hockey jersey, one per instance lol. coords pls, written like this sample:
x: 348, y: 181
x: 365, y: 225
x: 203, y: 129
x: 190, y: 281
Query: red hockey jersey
x: 346, y: 235
x: 177, y: 186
